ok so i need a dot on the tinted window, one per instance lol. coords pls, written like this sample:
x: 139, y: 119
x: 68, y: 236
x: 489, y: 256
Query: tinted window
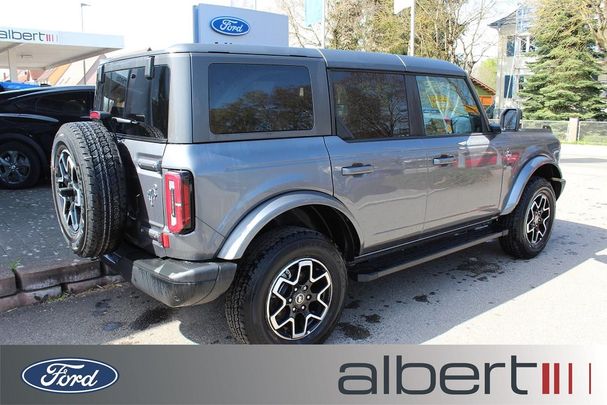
x: 259, y: 98
x: 508, y: 86
x: 370, y: 105
x: 448, y: 106
x: 69, y: 104
x: 129, y: 94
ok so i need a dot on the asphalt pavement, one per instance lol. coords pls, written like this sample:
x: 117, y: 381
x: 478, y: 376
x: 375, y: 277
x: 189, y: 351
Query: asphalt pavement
x: 479, y: 296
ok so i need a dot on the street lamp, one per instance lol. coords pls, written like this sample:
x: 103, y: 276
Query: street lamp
x: 82, y: 6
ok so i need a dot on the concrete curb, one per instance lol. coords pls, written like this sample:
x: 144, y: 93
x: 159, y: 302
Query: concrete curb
x: 35, y: 284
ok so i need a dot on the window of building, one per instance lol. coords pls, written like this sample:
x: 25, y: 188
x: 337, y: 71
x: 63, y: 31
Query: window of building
x: 511, y: 45
x: 508, y: 86
x: 247, y: 98
x: 129, y: 94
x: 448, y: 106
x: 370, y: 105
x: 521, y: 83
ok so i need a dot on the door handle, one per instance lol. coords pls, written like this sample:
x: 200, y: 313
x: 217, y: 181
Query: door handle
x: 357, y: 170
x: 444, y: 160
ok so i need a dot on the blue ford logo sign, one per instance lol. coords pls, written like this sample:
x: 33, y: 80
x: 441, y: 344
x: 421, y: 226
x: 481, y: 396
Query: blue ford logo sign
x: 69, y: 376
x: 230, y: 25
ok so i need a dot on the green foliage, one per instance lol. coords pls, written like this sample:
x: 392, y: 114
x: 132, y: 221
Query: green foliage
x: 565, y: 82
x: 486, y: 72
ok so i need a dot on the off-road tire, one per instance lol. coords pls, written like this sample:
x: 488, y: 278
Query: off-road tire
x: 103, y: 187
x: 33, y: 175
x: 245, y: 301
x: 516, y: 242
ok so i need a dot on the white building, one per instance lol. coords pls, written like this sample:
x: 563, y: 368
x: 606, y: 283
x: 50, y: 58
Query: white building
x: 514, y: 45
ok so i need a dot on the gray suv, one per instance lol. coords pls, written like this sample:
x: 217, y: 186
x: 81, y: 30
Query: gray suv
x: 274, y: 175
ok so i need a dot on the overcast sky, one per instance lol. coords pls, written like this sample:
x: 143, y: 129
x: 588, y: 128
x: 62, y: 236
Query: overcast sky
x: 143, y: 23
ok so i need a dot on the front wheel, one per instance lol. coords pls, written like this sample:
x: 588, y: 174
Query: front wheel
x: 289, y: 288
x: 530, y: 224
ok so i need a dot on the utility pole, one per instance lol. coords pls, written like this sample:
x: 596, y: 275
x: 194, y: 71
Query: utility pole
x: 82, y: 6
x: 412, y: 31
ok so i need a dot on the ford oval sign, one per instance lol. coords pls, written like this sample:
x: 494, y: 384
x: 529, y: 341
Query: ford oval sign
x: 230, y: 25
x: 69, y: 376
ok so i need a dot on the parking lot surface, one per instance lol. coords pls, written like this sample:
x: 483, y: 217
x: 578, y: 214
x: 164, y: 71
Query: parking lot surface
x: 479, y: 296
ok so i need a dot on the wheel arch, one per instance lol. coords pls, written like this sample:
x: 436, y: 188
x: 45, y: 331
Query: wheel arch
x: 310, y: 209
x: 541, y: 166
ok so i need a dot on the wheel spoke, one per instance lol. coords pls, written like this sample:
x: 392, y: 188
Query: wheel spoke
x: 4, y: 162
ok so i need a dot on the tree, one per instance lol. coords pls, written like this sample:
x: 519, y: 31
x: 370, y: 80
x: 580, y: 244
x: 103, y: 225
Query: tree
x: 595, y: 12
x: 451, y: 30
x: 486, y: 72
x: 565, y: 82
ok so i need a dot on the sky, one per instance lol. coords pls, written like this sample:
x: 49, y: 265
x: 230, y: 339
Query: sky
x: 143, y: 23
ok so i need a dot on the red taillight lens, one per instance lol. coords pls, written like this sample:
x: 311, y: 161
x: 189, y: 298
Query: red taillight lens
x: 178, y: 201
x: 95, y: 115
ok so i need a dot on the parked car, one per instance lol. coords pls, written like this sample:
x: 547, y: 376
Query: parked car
x: 276, y: 174
x: 29, y: 119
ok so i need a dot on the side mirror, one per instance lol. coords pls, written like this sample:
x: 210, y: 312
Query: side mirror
x: 495, y: 129
x: 510, y: 120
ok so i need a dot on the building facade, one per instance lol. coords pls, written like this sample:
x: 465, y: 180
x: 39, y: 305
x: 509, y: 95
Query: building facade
x: 515, y: 47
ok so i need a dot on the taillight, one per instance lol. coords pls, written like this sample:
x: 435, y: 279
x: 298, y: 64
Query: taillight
x: 178, y: 201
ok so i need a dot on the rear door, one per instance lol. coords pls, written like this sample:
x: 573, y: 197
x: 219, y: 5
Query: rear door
x: 378, y: 165
x: 465, y: 165
x: 127, y: 93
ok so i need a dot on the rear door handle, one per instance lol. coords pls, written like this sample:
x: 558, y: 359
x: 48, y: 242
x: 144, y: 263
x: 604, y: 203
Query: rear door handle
x: 357, y: 170
x: 444, y: 160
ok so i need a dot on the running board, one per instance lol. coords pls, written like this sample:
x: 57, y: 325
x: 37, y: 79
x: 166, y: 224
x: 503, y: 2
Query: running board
x: 367, y: 271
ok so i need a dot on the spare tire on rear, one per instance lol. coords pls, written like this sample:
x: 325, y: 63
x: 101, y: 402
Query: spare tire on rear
x: 89, y: 188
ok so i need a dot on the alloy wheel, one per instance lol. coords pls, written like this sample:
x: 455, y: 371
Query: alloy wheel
x: 15, y: 167
x: 68, y: 191
x: 537, y: 220
x: 299, y: 299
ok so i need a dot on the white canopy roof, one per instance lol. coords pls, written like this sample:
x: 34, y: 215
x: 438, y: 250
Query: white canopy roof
x: 31, y: 48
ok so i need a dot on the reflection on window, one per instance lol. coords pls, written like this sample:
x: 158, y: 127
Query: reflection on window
x: 508, y: 86
x: 259, y: 98
x: 510, y: 46
x: 370, y: 105
x: 448, y: 106
x: 129, y: 94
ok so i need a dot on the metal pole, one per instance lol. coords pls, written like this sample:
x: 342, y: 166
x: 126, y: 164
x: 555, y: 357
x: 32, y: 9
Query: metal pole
x: 82, y: 6
x: 323, y: 25
x: 412, y: 31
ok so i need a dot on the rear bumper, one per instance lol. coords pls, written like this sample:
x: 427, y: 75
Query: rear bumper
x: 175, y: 283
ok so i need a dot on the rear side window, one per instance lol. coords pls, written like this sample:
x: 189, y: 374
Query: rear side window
x: 129, y: 94
x: 448, y: 106
x: 370, y: 105
x: 71, y: 104
x: 246, y: 98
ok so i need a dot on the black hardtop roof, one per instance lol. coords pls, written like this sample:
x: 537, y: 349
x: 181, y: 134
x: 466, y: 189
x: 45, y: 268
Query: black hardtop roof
x: 332, y: 57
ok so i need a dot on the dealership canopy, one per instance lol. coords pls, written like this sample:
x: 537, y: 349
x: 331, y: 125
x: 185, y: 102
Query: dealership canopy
x: 31, y: 48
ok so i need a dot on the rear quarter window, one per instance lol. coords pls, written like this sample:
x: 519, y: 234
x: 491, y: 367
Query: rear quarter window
x: 129, y: 94
x: 248, y: 98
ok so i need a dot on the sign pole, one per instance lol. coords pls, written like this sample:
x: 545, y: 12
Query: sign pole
x: 412, y: 31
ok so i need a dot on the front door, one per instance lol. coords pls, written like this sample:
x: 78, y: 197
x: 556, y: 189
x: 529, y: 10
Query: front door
x: 465, y: 166
x: 378, y: 171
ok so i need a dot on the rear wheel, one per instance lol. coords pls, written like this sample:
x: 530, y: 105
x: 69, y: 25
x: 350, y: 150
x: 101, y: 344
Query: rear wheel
x: 290, y: 288
x: 19, y: 165
x: 530, y: 224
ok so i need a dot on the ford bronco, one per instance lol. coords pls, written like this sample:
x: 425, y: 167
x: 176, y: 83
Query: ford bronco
x: 272, y: 176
